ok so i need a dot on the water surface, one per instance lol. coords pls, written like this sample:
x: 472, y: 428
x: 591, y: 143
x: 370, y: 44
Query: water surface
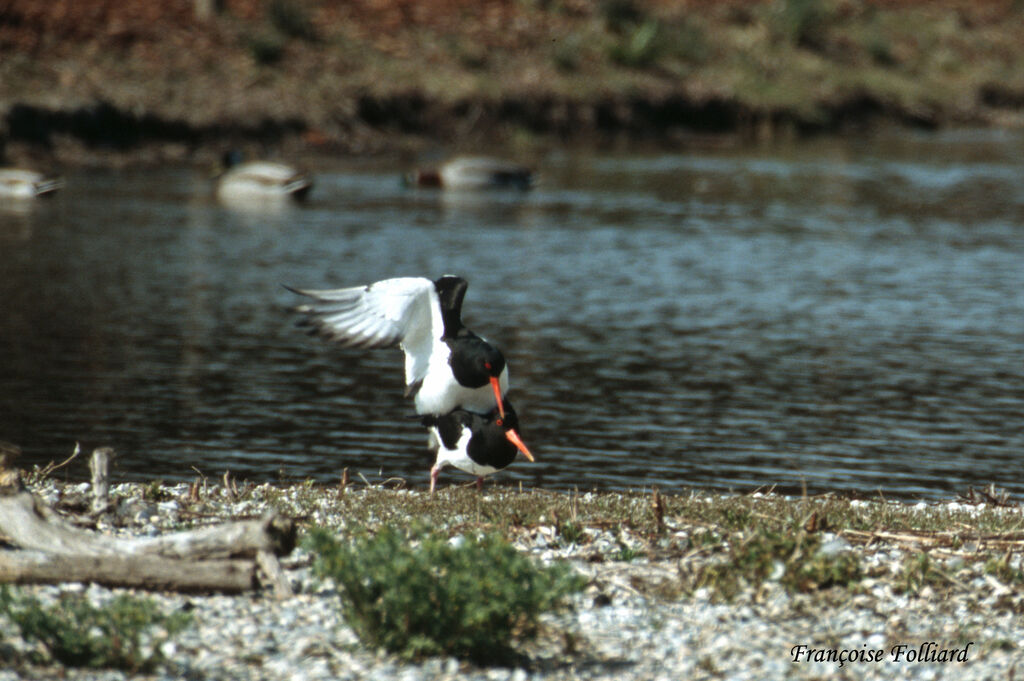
x: 843, y: 316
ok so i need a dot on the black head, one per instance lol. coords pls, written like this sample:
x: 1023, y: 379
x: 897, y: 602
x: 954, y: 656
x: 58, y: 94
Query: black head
x: 474, y: 361
x: 496, y: 440
x: 508, y: 422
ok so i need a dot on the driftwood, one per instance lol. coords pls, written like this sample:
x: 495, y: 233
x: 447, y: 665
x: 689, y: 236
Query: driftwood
x: 232, y: 557
x: 143, y: 572
x: 31, y: 524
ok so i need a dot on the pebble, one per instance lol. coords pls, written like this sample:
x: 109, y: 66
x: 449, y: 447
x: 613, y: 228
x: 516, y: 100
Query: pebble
x: 617, y: 631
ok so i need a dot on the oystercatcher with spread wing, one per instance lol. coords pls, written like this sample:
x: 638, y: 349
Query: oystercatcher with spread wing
x: 447, y: 366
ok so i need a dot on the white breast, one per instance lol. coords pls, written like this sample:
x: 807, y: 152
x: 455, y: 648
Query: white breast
x: 457, y: 457
x: 441, y: 393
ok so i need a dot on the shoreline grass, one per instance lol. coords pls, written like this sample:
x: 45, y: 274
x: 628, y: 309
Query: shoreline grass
x: 725, y: 542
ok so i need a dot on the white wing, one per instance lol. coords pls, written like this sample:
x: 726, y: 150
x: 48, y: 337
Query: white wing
x: 403, y: 311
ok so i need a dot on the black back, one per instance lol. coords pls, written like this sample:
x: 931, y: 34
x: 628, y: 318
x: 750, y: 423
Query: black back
x: 487, y: 444
x: 473, y: 360
x: 451, y: 291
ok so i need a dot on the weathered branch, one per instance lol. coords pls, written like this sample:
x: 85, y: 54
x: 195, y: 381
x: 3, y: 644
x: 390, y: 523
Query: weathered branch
x: 30, y: 524
x: 273, y: 575
x: 195, y: 560
x: 146, y: 572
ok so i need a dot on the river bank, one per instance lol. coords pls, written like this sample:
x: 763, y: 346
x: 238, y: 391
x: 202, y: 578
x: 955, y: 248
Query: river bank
x: 100, y: 81
x: 694, y: 586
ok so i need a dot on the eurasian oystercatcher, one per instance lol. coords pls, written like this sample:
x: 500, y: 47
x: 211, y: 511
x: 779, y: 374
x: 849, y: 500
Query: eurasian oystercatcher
x: 447, y: 366
x: 479, y: 444
x: 473, y: 173
x: 268, y: 180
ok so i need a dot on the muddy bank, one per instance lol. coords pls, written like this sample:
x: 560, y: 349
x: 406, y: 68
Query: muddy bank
x: 407, y: 122
x: 96, y: 80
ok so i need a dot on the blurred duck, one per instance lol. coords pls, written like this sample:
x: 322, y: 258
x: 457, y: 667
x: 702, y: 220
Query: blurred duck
x: 26, y: 184
x: 466, y: 172
x: 260, y: 180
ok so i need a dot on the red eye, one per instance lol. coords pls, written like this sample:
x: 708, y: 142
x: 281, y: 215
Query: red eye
x: 498, y: 422
x: 487, y: 365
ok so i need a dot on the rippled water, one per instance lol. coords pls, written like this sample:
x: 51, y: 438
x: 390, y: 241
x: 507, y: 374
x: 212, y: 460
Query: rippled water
x: 845, y: 315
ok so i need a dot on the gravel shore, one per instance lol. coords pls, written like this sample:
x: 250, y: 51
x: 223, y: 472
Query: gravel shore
x: 636, y: 619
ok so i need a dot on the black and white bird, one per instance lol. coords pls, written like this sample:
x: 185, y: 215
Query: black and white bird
x: 480, y: 444
x: 447, y: 366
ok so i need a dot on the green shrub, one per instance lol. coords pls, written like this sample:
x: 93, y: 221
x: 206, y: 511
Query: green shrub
x: 126, y: 633
x: 419, y: 594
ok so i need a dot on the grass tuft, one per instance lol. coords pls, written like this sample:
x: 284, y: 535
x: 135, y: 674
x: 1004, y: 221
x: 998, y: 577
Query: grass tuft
x: 571, y: 533
x: 917, y: 572
x: 794, y: 559
x: 1001, y: 569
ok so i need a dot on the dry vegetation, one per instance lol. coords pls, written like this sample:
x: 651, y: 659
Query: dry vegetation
x: 370, y: 74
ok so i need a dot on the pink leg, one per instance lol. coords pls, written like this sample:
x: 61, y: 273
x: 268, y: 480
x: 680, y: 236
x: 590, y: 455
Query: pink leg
x: 480, y: 484
x: 434, y: 471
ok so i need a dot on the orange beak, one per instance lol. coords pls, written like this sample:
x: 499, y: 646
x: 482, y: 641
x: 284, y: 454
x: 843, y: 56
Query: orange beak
x: 497, y: 395
x: 513, y: 437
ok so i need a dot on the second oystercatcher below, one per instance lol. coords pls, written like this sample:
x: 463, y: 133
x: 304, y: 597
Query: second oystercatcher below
x: 480, y: 444
x: 447, y: 366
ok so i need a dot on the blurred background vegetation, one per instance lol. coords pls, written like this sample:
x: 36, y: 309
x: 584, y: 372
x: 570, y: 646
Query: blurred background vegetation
x: 177, y: 77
